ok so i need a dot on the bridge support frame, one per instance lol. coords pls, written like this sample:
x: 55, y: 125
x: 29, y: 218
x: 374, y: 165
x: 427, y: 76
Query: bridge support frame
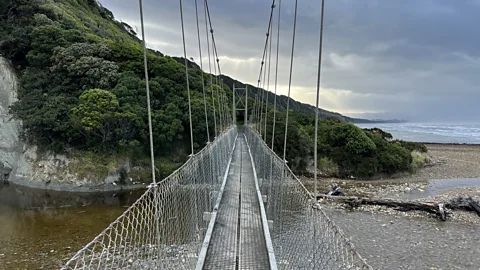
x: 240, y: 104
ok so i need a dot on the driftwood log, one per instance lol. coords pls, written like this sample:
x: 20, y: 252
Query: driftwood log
x: 466, y: 204
x: 441, y: 210
x: 430, y: 207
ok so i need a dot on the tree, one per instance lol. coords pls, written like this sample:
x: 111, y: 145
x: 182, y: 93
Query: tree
x: 167, y: 127
x: 84, y: 64
x: 98, y: 113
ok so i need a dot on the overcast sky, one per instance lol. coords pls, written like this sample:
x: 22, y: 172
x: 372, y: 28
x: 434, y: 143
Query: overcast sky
x: 413, y: 59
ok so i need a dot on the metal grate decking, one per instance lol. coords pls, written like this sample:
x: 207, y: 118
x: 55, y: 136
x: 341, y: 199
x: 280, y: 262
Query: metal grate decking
x: 238, y: 240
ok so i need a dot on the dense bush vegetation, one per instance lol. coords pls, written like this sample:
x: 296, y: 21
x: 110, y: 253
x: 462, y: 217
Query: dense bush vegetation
x: 82, y: 80
x: 344, y: 149
x: 82, y: 89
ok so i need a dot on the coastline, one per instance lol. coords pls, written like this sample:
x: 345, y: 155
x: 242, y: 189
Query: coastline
x: 445, y: 144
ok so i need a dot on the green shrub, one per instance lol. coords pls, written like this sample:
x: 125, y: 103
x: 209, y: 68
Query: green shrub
x: 419, y: 160
x: 379, y: 132
x: 394, y: 158
x: 328, y: 167
x: 413, y: 146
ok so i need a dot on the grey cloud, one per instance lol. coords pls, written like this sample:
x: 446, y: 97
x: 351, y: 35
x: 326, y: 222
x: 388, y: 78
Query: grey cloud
x: 412, y: 58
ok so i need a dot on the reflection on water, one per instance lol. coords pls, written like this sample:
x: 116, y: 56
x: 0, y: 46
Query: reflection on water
x: 41, y: 229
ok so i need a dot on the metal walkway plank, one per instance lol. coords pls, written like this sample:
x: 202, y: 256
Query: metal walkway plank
x: 253, y: 250
x: 238, y: 240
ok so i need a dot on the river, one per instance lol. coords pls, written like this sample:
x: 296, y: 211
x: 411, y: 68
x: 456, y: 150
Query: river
x: 41, y: 229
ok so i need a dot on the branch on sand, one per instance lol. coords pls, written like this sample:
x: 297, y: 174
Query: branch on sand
x: 441, y: 210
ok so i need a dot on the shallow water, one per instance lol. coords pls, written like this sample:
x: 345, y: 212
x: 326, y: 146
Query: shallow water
x: 42, y: 229
x: 435, y: 186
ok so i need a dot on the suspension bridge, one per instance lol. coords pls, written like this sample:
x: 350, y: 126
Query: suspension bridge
x: 235, y: 204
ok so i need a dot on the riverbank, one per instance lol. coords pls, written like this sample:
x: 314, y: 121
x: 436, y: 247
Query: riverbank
x: 447, y: 161
x: 416, y: 240
x: 84, y: 188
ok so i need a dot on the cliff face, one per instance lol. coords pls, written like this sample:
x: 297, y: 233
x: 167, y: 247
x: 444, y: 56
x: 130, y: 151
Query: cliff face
x: 21, y: 163
x: 10, y: 145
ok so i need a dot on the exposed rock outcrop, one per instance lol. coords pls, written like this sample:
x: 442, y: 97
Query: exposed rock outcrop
x: 10, y: 145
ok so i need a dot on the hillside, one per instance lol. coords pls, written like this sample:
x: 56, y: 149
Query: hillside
x: 82, y: 93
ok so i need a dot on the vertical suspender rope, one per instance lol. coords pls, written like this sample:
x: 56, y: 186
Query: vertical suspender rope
x: 268, y: 83
x: 255, y: 117
x: 282, y: 179
x: 290, y: 81
x: 254, y: 111
x: 318, y: 95
x: 275, y: 104
x: 217, y: 62
x: 186, y: 74
x: 190, y: 114
x: 267, y: 91
x: 221, y: 103
x: 213, y: 164
x: 201, y: 68
x: 220, y: 122
x: 225, y: 107
x: 276, y: 74
x: 316, y: 119
x: 210, y: 69
x: 225, y: 118
x: 260, y: 118
x: 152, y: 156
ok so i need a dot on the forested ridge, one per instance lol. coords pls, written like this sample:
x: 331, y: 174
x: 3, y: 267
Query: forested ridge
x: 82, y: 91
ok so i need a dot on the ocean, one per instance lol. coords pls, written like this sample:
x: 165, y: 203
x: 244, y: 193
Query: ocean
x: 431, y: 133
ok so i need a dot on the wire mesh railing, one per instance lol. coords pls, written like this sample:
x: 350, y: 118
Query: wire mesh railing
x: 303, y: 236
x: 164, y: 228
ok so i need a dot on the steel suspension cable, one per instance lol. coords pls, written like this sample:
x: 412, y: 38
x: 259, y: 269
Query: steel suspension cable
x: 149, y: 110
x: 186, y: 75
x: 201, y: 68
x: 215, y: 52
x: 290, y: 80
x: 276, y: 74
x: 213, y: 38
x: 266, y: 43
x: 262, y: 64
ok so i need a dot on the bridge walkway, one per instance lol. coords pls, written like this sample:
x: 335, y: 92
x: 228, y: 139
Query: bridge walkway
x: 238, y: 240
